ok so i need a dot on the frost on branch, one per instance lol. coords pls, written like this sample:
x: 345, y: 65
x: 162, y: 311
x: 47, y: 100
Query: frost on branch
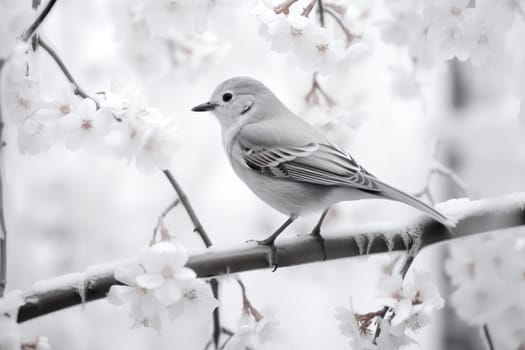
x: 406, y: 307
x: 158, y: 285
x: 488, y: 274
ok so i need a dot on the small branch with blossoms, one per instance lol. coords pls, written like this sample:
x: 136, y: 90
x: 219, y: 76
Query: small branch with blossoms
x: 438, y: 168
x: 474, y: 217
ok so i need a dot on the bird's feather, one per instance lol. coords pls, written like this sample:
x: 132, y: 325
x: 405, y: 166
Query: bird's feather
x: 321, y: 163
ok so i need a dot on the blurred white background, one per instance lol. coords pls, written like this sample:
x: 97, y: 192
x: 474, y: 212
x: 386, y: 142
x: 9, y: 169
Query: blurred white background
x: 68, y: 210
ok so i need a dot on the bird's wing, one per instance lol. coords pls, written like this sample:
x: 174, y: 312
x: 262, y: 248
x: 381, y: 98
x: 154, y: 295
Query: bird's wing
x: 286, y: 153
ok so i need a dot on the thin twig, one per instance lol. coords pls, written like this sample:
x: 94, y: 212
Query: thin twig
x: 488, y: 338
x: 3, y: 231
x: 197, y: 226
x: 437, y: 168
x: 349, y: 36
x: 246, y: 304
x: 160, y: 221
x: 473, y: 218
x: 312, y: 96
x: 284, y: 7
x: 308, y: 8
x: 38, y: 21
x: 217, y: 329
x: 78, y: 90
x: 321, y: 12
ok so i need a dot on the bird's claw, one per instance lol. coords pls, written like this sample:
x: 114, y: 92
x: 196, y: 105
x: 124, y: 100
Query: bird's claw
x: 317, y: 235
x: 272, y: 256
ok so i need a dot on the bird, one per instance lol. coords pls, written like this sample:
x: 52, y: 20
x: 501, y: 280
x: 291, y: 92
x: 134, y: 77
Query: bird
x: 288, y: 163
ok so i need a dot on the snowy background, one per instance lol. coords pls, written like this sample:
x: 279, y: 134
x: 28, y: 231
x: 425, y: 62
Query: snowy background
x: 68, y: 210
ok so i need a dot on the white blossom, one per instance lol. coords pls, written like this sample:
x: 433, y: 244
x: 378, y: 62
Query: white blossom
x: 445, y: 33
x: 485, y: 31
x: 21, y: 86
x: 483, y: 269
x: 42, y: 343
x: 145, y: 136
x: 164, y: 271
x: 350, y: 328
x: 312, y: 45
x: 16, y: 17
x: 256, y: 333
x: 197, y: 298
x: 388, y: 340
x: 158, y: 285
x: 411, y: 302
x: 9, y: 331
x: 9, y: 334
x: 36, y: 134
x: 85, y: 126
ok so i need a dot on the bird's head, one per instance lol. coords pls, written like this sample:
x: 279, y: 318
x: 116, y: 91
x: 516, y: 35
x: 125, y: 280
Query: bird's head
x: 239, y: 101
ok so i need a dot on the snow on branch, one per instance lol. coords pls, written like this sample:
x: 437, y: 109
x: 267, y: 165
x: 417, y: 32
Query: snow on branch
x: 473, y: 217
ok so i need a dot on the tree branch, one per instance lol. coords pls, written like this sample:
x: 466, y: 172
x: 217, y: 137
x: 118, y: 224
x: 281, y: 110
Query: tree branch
x: 78, y: 90
x: 38, y: 21
x: 197, y: 226
x: 473, y: 218
x: 3, y: 231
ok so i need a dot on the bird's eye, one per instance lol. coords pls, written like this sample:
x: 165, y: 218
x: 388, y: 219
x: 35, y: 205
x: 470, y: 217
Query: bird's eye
x: 227, y: 97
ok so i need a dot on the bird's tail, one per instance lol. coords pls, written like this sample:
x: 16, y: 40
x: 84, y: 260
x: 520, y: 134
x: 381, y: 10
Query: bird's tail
x: 397, y: 195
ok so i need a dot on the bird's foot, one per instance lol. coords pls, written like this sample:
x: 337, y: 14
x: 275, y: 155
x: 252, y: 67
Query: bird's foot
x: 272, y: 256
x: 316, y: 233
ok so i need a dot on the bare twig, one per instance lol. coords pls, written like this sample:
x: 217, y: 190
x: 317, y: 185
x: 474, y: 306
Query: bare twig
x: 38, y: 21
x: 312, y: 96
x: 78, y: 90
x: 348, y: 34
x: 308, y: 8
x: 321, y: 12
x: 3, y: 231
x: 284, y: 7
x: 160, y: 221
x: 488, y: 338
x: 476, y: 217
x: 437, y: 168
x: 246, y: 304
x: 197, y: 226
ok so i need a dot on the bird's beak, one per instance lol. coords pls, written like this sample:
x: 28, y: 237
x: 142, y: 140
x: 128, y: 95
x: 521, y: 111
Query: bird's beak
x: 205, y: 107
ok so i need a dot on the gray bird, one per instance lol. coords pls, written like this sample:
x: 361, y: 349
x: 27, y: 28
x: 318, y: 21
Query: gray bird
x: 287, y: 162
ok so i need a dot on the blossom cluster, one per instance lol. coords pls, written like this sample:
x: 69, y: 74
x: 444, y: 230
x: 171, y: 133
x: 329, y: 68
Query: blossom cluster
x: 158, y: 285
x: 315, y: 47
x: 488, y: 275
x: 155, y: 36
x: 255, y: 330
x: 438, y: 30
x: 118, y: 122
x: 406, y: 307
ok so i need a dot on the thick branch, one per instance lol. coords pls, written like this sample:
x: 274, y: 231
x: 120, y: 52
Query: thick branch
x: 473, y: 218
